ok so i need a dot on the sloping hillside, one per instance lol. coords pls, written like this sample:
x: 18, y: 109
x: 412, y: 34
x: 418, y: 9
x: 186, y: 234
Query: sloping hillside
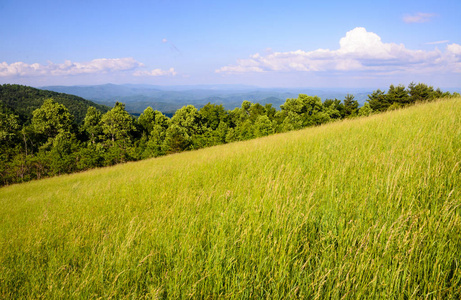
x: 23, y: 100
x: 364, y: 208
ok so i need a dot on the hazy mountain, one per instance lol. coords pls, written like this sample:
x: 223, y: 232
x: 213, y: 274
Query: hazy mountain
x: 169, y: 98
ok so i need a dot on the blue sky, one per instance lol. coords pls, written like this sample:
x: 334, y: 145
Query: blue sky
x: 263, y: 43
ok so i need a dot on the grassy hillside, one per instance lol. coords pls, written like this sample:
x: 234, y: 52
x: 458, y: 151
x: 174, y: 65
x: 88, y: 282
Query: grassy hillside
x: 23, y: 100
x: 365, y: 208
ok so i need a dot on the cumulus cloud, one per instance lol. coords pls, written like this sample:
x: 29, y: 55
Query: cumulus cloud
x: 418, y: 18
x: 100, y: 65
x: 454, y: 49
x: 156, y: 72
x: 359, y: 50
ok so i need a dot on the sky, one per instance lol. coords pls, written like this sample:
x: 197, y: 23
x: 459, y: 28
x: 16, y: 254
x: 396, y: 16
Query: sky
x: 315, y: 44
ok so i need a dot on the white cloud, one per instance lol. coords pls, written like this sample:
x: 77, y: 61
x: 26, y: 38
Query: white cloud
x: 100, y: 65
x: 96, y: 66
x: 156, y: 72
x: 454, y: 49
x: 359, y: 50
x: 418, y: 18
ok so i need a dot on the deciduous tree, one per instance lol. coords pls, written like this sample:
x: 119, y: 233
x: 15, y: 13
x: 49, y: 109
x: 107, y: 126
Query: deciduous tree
x: 52, y: 118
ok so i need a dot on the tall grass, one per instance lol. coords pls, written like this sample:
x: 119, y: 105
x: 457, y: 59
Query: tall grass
x: 365, y: 208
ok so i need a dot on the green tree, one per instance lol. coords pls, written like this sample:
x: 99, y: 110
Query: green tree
x: 92, y: 124
x: 334, y: 108
x: 245, y: 130
x: 153, y: 125
x: 420, y: 92
x: 9, y: 126
x: 89, y: 157
x: 221, y: 132
x: 294, y: 106
x: 156, y: 146
x: 52, y: 118
x: 189, y: 119
x: 212, y: 115
x: 62, y: 153
x: 150, y: 118
x: 117, y: 124
x: 263, y: 126
x: 378, y: 101
x: 118, y: 127
x: 270, y: 111
x: 310, y: 104
x: 177, y: 139
x: 308, y: 108
x: 9, y: 146
x: 239, y: 115
x: 292, y: 121
x: 214, y: 119
x: 398, y: 94
x: 231, y: 136
x: 351, y: 106
x: 365, y: 110
x: 256, y: 110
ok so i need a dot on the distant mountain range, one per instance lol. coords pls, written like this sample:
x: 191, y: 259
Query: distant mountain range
x: 168, y: 99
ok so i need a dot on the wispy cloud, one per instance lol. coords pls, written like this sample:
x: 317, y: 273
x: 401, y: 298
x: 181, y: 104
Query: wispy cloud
x: 438, y: 42
x: 156, y: 72
x: 418, y: 17
x: 359, y: 50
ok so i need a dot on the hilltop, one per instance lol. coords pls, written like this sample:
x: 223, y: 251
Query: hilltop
x: 23, y: 100
x: 361, y: 208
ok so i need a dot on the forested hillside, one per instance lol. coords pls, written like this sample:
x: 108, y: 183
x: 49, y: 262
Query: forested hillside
x: 45, y: 141
x: 23, y: 100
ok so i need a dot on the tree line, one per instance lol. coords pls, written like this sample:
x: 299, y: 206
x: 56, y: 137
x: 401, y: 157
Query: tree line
x: 53, y: 142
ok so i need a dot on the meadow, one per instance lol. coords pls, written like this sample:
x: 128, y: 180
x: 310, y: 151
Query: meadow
x: 356, y: 209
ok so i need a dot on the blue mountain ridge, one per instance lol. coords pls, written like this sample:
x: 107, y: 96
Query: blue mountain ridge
x: 168, y: 99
